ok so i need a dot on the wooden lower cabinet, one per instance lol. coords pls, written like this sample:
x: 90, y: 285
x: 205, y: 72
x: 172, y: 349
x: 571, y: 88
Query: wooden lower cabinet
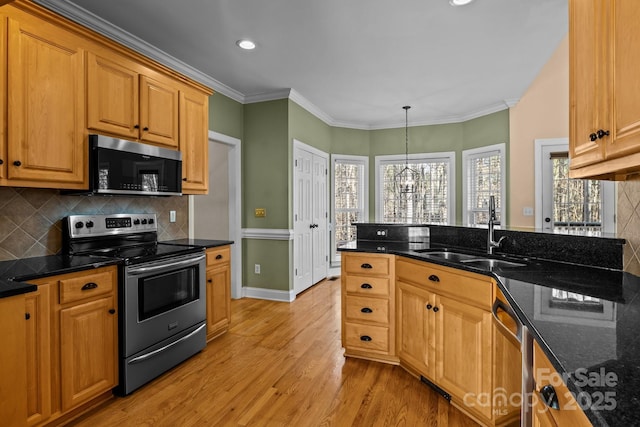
x: 218, y: 291
x: 416, y: 328
x: 13, y: 366
x: 71, y: 344
x: 569, y: 412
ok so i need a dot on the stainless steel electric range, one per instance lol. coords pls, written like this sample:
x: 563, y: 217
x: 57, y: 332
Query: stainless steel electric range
x: 161, y: 292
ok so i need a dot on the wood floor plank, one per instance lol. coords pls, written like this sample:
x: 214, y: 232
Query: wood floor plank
x: 281, y: 364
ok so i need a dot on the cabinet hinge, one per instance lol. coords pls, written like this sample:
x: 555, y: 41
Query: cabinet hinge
x: 296, y: 273
x: 296, y: 162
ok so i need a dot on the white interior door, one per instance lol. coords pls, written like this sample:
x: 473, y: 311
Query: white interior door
x: 310, y: 216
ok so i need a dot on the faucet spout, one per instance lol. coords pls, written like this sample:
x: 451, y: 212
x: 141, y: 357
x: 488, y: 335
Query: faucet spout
x: 491, y: 243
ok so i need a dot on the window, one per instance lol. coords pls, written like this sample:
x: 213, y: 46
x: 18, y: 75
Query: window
x: 483, y: 176
x: 350, y: 198
x: 434, y: 199
x: 566, y: 205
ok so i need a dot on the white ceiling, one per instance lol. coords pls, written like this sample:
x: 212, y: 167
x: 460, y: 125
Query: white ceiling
x: 352, y: 63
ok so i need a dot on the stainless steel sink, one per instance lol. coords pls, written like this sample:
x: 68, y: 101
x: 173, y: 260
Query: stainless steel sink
x: 492, y: 263
x: 473, y: 259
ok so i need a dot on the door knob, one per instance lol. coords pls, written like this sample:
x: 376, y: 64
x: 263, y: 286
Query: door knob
x: 547, y: 219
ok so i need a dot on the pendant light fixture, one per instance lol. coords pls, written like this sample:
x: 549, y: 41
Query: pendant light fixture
x: 407, y: 179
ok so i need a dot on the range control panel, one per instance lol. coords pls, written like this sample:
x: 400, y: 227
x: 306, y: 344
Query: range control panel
x: 105, y: 225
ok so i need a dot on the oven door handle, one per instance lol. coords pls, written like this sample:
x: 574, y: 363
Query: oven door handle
x: 153, y: 353
x: 135, y: 271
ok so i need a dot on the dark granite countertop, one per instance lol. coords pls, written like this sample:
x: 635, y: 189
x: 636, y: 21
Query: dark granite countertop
x: 15, y: 274
x: 585, y: 319
x: 205, y: 243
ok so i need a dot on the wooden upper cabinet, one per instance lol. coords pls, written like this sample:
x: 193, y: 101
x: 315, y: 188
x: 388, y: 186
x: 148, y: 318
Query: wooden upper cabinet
x: 46, y: 122
x: 158, y: 112
x: 124, y: 101
x: 112, y: 96
x: 194, y: 141
x: 604, y: 88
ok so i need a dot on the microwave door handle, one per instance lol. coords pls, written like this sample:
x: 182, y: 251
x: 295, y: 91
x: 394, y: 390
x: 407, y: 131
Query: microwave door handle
x: 136, y: 271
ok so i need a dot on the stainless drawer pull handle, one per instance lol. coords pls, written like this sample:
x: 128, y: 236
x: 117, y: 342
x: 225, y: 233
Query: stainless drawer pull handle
x: 89, y: 286
x: 366, y: 286
x: 366, y: 310
x: 434, y: 278
x: 365, y: 338
x: 366, y: 265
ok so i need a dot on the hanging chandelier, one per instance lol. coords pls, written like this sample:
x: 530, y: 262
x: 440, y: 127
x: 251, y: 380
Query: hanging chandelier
x: 407, y: 179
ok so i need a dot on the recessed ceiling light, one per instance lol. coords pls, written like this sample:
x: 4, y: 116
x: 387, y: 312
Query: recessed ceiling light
x: 459, y: 2
x: 246, y: 44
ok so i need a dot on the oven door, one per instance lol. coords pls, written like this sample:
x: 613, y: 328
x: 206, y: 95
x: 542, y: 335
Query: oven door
x: 161, y: 299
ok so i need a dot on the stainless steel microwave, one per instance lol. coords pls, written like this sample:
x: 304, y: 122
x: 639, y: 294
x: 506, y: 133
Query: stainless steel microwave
x: 118, y: 166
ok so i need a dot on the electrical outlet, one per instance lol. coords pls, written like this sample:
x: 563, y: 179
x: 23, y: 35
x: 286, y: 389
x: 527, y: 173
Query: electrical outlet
x: 172, y: 216
x: 257, y: 269
x: 527, y: 211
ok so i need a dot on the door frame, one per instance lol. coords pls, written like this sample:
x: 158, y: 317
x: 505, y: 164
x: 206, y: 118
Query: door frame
x: 234, y: 159
x: 299, y: 145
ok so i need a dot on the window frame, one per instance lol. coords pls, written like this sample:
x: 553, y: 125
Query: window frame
x: 353, y: 159
x: 475, y: 153
x: 448, y: 156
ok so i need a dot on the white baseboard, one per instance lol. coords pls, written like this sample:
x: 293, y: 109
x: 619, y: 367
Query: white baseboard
x: 268, y: 294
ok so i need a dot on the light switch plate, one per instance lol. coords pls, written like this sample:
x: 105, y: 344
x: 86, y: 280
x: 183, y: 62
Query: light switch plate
x: 172, y: 216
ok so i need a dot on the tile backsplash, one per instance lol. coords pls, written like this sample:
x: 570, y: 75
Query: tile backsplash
x: 30, y: 219
x: 628, y: 223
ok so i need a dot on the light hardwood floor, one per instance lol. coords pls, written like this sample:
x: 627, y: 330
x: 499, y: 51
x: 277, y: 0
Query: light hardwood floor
x: 281, y: 364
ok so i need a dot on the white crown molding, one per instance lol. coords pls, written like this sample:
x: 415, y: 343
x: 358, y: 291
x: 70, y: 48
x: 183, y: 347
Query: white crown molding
x: 113, y: 32
x: 267, y: 234
x: 85, y: 18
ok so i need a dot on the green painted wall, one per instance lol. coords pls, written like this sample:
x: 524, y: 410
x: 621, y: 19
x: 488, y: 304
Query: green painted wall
x: 226, y: 116
x: 307, y: 128
x: 353, y: 142
x: 265, y: 184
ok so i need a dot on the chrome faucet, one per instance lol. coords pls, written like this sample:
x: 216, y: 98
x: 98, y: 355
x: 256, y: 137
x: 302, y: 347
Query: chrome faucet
x: 492, y: 244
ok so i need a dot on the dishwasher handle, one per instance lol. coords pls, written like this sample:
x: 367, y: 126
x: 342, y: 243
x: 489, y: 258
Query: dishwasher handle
x: 501, y: 305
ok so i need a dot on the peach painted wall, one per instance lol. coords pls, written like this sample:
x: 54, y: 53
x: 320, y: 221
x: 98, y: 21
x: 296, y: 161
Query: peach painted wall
x: 542, y: 112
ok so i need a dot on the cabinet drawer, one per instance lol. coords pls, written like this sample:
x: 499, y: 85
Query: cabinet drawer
x: 569, y: 412
x: 368, y: 309
x: 366, y: 337
x: 217, y: 256
x: 377, y: 286
x: 463, y: 286
x: 367, y: 264
x: 86, y: 286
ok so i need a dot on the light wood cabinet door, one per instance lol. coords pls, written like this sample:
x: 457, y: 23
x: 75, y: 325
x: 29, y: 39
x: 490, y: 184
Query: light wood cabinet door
x: 46, y: 122
x: 3, y: 103
x: 88, y: 350
x: 415, y: 328
x: 587, y: 76
x: 13, y: 369
x: 158, y: 112
x: 218, y: 300
x: 194, y: 141
x: 463, y: 353
x: 112, y: 95
x: 38, y: 355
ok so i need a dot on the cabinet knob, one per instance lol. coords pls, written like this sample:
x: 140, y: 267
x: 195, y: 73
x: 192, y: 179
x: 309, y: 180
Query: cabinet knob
x: 136, y: 126
x: 17, y: 163
x: 145, y: 128
x: 209, y: 280
x: 27, y: 316
x: 436, y: 309
x: 366, y: 265
x: 112, y: 311
x: 184, y: 179
x: 429, y: 306
x: 1, y: 162
x: 366, y: 310
x: 434, y: 278
x: 366, y: 286
x: 593, y: 136
x: 219, y: 256
x: 365, y: 338
x: 602, y: 133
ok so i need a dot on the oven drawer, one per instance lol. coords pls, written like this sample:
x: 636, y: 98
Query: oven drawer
x: 216, y: 256
x: 86, y: 285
